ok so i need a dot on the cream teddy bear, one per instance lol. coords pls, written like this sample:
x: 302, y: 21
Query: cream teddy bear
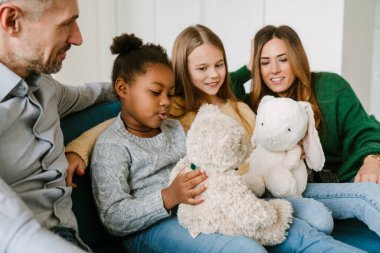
x: 217, y: 144
x: 275, y: 164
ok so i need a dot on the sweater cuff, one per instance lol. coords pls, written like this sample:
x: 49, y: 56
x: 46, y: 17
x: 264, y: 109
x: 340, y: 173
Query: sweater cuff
x: 243, y: 72
x: 157, y: 201
x: 82, y: 153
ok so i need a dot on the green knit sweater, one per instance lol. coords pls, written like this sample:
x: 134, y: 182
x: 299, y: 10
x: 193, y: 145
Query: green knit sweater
x: 347, y: 134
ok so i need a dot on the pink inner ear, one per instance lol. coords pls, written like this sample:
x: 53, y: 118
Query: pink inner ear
x: 315, y: 157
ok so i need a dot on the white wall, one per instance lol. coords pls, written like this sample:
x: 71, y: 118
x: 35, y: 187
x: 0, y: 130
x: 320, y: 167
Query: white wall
x: 92, y: 61
x: 375, y: 89
x: 161, y: 21
x: 357, y: 47
x: 332, y: 32
x: 319, y: 24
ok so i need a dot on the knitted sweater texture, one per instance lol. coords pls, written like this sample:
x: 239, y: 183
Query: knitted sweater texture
x: 129, y: 172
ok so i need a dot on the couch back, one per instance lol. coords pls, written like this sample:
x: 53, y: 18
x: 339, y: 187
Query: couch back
x: 91, y: 229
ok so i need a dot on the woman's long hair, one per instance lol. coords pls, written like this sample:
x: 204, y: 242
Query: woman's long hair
x: 303, y: 88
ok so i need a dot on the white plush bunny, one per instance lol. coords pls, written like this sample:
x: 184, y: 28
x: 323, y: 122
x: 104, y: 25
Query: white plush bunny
x: 217, y: 144
x: 276, y: 163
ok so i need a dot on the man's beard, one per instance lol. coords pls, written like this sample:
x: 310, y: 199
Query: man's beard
x: 35, y: 66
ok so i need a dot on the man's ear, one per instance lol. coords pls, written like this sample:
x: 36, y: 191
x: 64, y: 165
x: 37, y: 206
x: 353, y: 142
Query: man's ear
x: 121, y: 88
x: 10, y: 18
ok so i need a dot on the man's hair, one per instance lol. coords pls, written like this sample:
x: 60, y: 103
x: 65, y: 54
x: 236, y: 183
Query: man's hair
x: 33, y: 8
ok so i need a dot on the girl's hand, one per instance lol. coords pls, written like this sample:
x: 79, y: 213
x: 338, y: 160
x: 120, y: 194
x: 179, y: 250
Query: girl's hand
x: 185, y: 188
x: 303, y: 156
x: 369, y: 171
x: 76, y: 165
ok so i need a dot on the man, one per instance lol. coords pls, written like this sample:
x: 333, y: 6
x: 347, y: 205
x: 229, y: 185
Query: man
x: 34, y: 38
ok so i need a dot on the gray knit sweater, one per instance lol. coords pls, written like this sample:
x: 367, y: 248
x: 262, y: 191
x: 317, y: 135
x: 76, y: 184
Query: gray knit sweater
x: 129, y: 172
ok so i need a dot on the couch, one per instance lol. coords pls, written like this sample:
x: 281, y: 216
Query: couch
x: 91, y: 230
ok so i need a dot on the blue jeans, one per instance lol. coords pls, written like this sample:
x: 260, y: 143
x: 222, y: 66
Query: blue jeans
x: 314, y: 212
x: 349, y: 200
x: 304, y: 238
x: 168, y: 236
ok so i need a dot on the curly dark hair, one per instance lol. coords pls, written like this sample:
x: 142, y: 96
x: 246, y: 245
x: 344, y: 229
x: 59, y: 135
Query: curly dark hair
x: 133, y: 57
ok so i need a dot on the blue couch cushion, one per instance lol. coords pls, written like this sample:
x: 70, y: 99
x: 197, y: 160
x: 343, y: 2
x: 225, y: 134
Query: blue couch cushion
x: 356, y: 233
x: 91, y: 229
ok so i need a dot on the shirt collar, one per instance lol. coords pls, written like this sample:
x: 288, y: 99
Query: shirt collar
x: 14, y: 86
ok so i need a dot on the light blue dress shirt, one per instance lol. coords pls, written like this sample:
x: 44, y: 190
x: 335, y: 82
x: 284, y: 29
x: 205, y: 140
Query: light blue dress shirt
x: 32, y: 159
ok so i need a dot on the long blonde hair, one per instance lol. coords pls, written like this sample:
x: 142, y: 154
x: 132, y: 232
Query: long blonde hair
x: 303, y: 88
x: 189, y: 39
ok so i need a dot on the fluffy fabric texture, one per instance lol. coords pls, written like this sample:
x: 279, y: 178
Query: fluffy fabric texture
x: 275, y: 164
x: 217, y: 144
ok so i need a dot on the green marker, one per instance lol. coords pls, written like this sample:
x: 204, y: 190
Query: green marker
x: 193, y: 166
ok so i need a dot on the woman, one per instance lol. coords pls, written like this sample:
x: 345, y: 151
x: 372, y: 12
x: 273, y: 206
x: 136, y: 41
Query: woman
x: 350, y: 137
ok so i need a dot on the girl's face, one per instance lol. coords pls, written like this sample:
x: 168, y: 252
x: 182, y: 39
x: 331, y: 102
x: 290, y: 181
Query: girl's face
x: 275, y: 68
x: 146, y: 100
x: 207, y: 68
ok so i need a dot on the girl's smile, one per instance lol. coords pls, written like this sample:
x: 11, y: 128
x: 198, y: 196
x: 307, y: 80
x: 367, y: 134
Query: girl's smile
x: 207, y: 68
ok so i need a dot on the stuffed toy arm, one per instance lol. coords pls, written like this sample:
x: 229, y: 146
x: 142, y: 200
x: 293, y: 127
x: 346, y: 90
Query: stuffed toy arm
x: 293, y: 157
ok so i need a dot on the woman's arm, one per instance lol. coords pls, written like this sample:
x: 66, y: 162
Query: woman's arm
x: 84, y: 144
x: 349, y: 133
x: 78, y: 151
x: 238, y: 79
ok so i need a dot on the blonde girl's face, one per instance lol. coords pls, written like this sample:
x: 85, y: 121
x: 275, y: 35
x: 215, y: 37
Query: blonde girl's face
x: 146, y: 101
x: 207, y: 69
x: 275, y: 67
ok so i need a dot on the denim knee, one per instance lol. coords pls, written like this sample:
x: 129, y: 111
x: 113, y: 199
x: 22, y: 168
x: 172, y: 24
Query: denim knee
x: 371, y: 191
x: 324, y: 223
x: 243, y: 244
x: 304, y: 238
x: 313, y: 212
x: 323, y: 220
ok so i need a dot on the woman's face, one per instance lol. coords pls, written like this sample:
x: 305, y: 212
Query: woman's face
x: 207, y: 68
x: 275, y: 68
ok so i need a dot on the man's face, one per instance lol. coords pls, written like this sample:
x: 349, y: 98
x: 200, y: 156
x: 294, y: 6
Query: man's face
x: 45, y: 41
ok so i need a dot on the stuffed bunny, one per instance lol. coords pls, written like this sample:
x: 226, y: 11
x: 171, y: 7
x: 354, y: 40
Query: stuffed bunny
x: 275, y: 164
x: 217, y: 144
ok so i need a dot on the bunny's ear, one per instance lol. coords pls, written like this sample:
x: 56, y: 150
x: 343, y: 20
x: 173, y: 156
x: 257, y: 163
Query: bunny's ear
x: 315, y: 157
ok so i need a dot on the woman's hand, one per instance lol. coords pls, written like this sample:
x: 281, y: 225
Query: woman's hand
x: 369, y: 171
x: 185, y: 188
x: 76, y: 165
x: 250, y: 63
